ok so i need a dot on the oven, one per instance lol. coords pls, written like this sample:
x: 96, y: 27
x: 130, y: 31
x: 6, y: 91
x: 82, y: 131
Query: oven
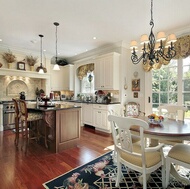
x: 8, y: 115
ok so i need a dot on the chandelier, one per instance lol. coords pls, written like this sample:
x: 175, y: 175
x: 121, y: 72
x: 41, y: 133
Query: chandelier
x: 154, y: 49
x: 56, y: 66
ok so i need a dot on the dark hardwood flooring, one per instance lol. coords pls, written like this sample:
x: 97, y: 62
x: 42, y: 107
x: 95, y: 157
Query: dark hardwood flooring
x: 20, y: 170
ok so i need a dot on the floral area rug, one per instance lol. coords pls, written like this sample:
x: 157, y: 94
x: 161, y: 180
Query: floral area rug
x: 101, y: 174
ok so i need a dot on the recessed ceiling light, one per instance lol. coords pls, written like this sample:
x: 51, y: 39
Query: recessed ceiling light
x: 44, y: 50
x: 1, y: 40
x: 86, y: 49
x: 94, y: 37
x: 33, y: 41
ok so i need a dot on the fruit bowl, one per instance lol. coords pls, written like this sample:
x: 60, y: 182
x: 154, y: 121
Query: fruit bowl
x: 155, y: 119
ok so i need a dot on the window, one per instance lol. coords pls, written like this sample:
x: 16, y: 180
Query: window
x: 171, y: 84
x: 87, y: 83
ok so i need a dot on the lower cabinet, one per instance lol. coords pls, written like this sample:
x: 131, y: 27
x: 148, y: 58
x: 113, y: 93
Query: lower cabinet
x: 100, y: 116
x: 87, y: 113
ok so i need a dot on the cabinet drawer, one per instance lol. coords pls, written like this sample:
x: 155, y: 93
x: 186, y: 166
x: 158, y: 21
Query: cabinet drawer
x: 100, y: 106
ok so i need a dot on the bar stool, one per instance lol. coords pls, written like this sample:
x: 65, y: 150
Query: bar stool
x: 17, y: 118
x: 29, y: 117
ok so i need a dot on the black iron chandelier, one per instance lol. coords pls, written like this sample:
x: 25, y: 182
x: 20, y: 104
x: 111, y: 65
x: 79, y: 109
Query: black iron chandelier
x: 154, y: 49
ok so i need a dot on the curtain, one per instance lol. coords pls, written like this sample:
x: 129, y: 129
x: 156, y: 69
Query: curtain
x: 182, y: 47
x: 83, y: 70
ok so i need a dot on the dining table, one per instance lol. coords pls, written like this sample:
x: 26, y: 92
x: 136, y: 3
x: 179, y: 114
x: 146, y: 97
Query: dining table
x: 168, y: 129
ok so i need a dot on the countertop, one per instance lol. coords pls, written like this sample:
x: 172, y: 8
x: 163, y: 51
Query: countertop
x: 56, y: 107
x: 91, y: 102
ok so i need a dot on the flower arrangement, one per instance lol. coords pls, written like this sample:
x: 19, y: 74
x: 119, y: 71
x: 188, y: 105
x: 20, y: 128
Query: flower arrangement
x: 9, y: 57
x: 31, y: 60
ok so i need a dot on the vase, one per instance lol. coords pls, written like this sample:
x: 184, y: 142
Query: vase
x: 31, y: 68
x: 9, y: 65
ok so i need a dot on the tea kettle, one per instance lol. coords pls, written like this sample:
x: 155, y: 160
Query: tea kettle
x: 22, y: 95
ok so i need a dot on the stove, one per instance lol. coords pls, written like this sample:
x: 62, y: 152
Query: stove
x: 8, y: 115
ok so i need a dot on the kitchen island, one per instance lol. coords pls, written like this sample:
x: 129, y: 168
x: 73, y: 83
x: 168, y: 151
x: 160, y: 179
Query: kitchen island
x: 60, y: 125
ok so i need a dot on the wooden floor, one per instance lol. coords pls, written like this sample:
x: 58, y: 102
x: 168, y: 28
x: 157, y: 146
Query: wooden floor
x: 29, y: 171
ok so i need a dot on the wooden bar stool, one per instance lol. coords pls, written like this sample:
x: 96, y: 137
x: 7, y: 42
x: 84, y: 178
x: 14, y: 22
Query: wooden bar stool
x: 17, y: 118
x: 29, y: 117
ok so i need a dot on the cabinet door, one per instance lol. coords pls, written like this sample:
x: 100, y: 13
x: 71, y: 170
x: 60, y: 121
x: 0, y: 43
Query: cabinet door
x: 101, y: 119
x: 87, y: 114
x: 97, y: 118
x: 107, y: 72
x: 56, y: 81
x: 99, y: 76
x: 68, y: 77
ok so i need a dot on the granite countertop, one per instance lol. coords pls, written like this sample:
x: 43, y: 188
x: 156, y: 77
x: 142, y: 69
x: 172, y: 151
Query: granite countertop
x: 91, y: 102
x: 50, y: 107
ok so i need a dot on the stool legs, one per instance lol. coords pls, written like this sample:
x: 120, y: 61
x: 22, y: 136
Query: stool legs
x: 17, y: 131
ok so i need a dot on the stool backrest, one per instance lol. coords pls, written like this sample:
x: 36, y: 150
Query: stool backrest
x: 23, y: 109
x: 16, y: 106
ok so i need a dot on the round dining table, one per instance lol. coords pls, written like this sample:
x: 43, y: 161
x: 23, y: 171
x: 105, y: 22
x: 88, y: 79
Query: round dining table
x: 168, y: 129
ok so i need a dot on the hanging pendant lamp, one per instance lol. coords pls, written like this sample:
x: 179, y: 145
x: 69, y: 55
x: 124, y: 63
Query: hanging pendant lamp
x: 40, y: 69
x: 56, y: 66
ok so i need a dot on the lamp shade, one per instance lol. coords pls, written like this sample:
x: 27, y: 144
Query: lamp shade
x: 144, y: 39
x: 133, y: 44
x: 171, y: 38
x: 41, y: 71
x: 56, y: 67
x: 161, y: 36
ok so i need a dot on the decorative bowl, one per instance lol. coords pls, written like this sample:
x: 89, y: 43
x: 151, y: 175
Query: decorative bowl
x: 155, y: 119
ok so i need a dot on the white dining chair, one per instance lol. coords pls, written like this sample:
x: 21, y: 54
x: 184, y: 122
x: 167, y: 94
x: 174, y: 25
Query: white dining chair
x: 178, y: 155
x: 135, y: 156
x: 174, y: 112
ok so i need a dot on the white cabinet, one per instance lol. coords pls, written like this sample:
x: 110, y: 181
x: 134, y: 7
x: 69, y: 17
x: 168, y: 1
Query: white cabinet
x: 56, y: 81
x: 100, y: 116
x: 107, y: 72
x: 68, y: 77
x: 87, y: 114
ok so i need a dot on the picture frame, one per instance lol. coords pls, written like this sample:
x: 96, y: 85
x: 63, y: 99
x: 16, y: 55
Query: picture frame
x: 135, y: 94
x: 20, y: 65
x: 136, y: 85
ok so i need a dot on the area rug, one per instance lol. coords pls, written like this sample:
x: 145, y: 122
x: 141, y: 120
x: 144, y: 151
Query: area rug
x: 101, y: 174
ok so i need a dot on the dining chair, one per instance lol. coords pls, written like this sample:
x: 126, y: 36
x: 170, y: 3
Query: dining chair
x: 135, y: 156
x: 178, y: 155
x: 17, y: 119
x: 173, y: 112
x: 26, y: 118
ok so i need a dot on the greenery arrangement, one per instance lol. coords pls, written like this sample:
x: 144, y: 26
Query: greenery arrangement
x: 31, y: 60
x: 9, y: 57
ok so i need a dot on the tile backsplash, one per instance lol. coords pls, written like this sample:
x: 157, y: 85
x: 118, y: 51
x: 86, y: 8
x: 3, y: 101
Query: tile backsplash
x: 11, y: 86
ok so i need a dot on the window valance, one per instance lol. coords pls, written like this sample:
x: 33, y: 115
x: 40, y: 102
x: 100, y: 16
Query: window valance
x: 83, y: 70
x: 182, y: 47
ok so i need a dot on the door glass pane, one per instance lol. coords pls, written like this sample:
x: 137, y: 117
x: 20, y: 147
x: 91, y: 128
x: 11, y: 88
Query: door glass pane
x: 163, y: 98
x: 164, y: 85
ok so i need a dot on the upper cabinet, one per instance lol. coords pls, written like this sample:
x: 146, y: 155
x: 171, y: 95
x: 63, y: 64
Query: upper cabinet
x: 62, y: 79
x: 68, y: 77
x: 106, y: 70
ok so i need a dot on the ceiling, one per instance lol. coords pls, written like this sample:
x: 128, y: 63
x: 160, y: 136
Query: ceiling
x: 110, y: 21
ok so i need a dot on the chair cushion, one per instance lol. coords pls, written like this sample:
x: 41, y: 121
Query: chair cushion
x: 33, y: 116
x: 152, y: 158
x: 180, y: 152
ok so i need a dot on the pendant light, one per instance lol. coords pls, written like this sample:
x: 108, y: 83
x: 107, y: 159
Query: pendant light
x: 56, y: 66
x: 41, y: 70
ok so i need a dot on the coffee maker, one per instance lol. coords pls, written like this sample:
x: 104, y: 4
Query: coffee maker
x: 22, y: 95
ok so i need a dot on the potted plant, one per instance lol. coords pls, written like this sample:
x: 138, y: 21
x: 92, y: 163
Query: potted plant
x: 31, y: 60
x: 9, y: 57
